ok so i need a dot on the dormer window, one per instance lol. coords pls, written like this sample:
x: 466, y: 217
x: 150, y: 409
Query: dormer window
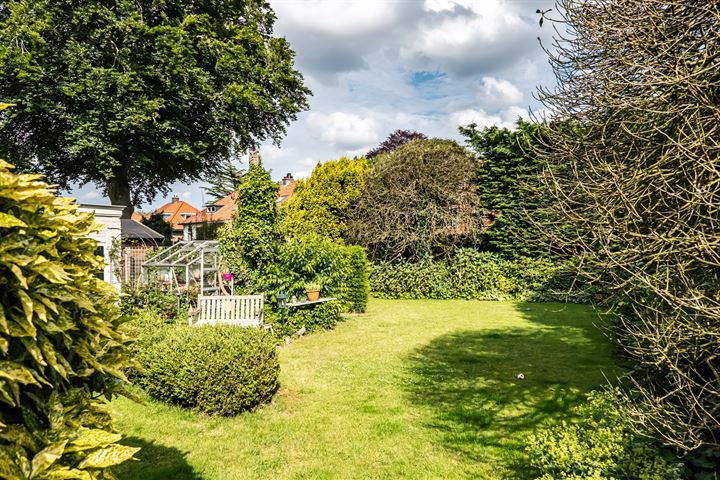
x: 213, y: 208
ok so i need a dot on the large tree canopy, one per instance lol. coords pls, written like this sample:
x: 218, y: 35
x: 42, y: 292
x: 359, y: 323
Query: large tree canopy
x: 136, y: 94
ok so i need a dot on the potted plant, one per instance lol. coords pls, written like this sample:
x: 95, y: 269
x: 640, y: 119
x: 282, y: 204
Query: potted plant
x: 313, y: 291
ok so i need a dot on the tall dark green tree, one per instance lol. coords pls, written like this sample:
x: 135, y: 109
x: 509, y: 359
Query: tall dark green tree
x: 509, y: 187
x: 133, y: 95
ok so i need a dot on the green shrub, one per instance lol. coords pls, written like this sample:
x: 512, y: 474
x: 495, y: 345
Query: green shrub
x: 342, y: 271
x: 138, y: 297
x: 262, y: 262
x: 601, y: 445
x: 219, y: 370
x: 476, y: 275
x: 407, y: 280
x: 322, y: 202
x: 60, y: 345
x: 250, y: 245
x: 314, y: 317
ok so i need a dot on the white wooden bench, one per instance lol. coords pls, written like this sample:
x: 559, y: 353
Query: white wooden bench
x: 241, y: 310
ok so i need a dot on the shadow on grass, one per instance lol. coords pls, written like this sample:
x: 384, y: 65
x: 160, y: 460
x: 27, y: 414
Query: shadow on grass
x: 468, y: 381
x: 154, y: 462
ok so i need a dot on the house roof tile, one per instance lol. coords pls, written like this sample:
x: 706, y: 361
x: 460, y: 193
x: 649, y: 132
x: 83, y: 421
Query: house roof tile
x: 285, y: 192
x: 175, y: 210
x: 228, y: 207
x: 225, y: 213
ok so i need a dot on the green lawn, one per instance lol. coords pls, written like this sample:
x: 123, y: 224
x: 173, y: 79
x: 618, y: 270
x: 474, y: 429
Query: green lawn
x: 412, y: 389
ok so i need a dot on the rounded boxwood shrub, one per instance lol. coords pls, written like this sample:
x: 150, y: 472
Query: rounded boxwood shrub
x: 214, y: 369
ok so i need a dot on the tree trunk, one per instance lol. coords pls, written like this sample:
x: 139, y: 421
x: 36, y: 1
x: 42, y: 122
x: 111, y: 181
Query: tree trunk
x: 118, y: 188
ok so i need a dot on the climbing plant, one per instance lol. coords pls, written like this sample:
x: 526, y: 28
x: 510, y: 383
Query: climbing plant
x: 250, y: 244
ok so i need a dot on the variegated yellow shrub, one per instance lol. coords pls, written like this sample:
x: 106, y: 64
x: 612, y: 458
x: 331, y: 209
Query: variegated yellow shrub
x: 61, y: 351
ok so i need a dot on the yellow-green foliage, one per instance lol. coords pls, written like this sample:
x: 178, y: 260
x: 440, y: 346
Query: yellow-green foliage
x: 60, y: 348
x: 321, y: 203
x: 601, y: 445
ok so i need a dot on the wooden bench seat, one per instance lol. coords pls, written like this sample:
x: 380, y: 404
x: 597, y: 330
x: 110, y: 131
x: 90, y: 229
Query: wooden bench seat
x: 241, y: 310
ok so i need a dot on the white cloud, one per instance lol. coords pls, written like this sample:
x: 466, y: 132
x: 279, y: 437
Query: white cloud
x: 92, y: 194
x: 495, y: 91
x: 339, y: 18
x: 469, y: 37
x: 511, y: 114
x: 504, y: 119
x: 344, y: 130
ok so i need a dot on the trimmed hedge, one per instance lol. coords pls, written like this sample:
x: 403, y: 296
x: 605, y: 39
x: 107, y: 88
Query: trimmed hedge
x: 314, y: 317
x: 218, y: 370
x: 356, y: 290
x: 472, y: 274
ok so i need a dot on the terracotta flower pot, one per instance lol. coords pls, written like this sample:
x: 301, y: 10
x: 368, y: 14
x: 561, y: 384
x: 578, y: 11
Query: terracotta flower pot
x: 312, y: 295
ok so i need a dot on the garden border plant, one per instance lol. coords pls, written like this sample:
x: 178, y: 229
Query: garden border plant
x: 61, y: 345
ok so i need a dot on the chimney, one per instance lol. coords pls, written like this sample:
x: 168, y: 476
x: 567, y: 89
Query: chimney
x: 255, y: 158
x: 287, y: 179
x: 175, y: 198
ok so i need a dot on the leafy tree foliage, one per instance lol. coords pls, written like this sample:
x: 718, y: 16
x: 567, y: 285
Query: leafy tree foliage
x: 225, y: 181
x: 60, y: 344
x: 157, y: 222
x: 508, y: 186
x: 250, y: 245
x: 136, y: 94
x: 636, y: 181
x: 394, y: 140
x: 321, y: 204
x: 418, y: 201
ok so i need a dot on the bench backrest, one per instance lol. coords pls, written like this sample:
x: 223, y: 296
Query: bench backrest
x: 243, y: 310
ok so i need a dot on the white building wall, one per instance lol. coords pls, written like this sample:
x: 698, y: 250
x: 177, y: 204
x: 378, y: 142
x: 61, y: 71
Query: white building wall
x: 109, y: 217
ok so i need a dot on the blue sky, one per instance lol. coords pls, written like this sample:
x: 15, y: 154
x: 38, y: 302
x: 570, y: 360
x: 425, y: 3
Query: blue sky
x: 378, y: 65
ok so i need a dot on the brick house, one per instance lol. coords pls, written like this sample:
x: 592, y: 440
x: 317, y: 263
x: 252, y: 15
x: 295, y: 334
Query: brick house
x: 175, y: 213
